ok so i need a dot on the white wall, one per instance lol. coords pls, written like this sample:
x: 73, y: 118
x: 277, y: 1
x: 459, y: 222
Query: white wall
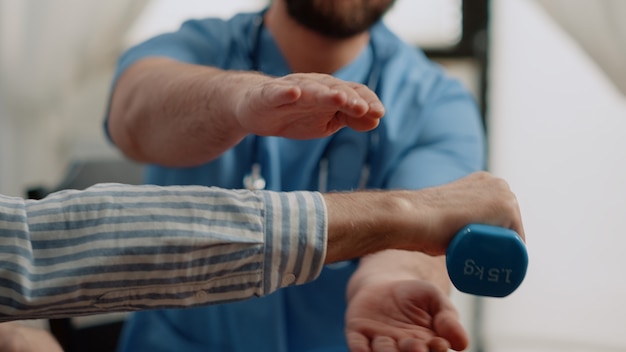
x: 557, y: 127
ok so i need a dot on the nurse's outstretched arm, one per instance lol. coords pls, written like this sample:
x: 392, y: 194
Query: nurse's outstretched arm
x: 178, y: 114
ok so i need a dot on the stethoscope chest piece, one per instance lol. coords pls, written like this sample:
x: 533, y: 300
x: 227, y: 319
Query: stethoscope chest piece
x: 254, y: 181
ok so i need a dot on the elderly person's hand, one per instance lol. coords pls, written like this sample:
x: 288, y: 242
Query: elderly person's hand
x: 16, y: 337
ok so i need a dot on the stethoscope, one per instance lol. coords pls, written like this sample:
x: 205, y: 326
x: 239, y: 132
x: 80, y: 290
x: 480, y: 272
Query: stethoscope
x: 254, y: 180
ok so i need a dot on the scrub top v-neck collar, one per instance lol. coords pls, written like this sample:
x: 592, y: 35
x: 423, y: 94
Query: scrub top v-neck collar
x: 266, y: 57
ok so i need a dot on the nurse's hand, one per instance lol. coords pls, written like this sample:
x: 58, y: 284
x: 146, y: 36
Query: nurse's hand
x: 403, y: 316
x: 305, y: 106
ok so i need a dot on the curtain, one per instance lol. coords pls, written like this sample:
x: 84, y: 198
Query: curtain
x: 599, y: 27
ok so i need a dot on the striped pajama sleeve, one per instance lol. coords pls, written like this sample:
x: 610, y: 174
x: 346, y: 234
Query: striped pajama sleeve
x: 116, y: 247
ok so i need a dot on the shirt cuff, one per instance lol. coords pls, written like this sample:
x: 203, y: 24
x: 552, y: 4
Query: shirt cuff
x: 296, y: 233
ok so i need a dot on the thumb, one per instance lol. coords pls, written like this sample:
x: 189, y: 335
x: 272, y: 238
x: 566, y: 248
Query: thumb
x: 447, y: 326
x: 278, y: 94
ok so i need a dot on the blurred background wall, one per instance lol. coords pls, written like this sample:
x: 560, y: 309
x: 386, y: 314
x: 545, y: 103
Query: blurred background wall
x: 56, y: 62
x: 555, y: 112
x: 557, y: 132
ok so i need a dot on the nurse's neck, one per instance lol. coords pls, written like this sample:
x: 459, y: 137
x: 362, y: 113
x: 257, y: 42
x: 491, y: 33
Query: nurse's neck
x: 306, y: 50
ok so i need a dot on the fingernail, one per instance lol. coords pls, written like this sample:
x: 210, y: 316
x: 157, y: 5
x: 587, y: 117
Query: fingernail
x: 377, y: 106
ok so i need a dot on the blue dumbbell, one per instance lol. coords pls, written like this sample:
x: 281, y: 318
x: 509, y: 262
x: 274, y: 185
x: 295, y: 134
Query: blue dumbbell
x: 486, y: 260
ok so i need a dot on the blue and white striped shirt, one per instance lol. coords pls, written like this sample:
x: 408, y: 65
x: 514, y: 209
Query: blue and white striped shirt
x: 115, y: 247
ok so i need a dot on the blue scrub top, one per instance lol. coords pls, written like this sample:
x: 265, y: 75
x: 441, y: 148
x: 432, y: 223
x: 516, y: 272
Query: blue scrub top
x: 431, y: 134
